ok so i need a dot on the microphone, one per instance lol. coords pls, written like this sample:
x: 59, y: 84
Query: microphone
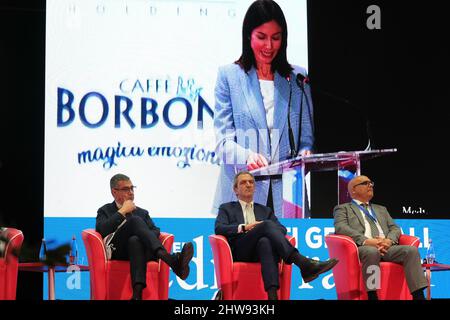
x: 301, y: 80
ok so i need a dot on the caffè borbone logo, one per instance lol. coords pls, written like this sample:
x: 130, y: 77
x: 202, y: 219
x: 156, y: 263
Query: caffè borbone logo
x: 154, y: 98
x: 187, y: 95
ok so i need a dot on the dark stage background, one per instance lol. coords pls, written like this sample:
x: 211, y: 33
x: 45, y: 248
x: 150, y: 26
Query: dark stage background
x: 396, y: 77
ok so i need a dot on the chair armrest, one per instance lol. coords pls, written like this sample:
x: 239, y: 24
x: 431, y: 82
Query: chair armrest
x: 347, y: 273
x: 15, y: 240
x: 345, y: 250
x: 407, y: 240
x: 339, y: 244
x: 223, y: 264
x: 12, y: 249
x: 166, y: 240
x: 95, y: 251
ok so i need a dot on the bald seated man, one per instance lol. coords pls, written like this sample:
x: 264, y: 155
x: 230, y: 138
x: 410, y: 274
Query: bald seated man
x: 376, y: 235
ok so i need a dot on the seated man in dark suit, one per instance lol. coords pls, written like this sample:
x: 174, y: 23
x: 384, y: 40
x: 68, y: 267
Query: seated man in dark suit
x: 376, y: 235
x: 255, y: 234
x: 136, y: 238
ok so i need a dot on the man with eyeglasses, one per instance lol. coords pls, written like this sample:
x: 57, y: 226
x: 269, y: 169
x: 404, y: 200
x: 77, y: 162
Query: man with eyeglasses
x: 136, y: 237
x: 376, y: 235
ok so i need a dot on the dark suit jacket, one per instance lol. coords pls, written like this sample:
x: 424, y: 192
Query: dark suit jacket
x: 108, y: 219
x: 231, y: 216
x: 349, y: 221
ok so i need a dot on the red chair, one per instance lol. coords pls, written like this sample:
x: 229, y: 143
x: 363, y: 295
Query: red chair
x: 9, y: 264
x: 111, y: 280
x: 348, y: 276
x: 243, y: 280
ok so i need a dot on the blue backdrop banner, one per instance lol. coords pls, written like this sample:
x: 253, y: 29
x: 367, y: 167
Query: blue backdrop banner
x: 201, y: 283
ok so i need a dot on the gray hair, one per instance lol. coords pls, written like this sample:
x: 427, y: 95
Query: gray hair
x: 236, y: 177
x: 116, y: 178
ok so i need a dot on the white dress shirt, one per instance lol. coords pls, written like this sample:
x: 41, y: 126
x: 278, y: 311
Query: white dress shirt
x: 243, y: 205
x: 368, y: 233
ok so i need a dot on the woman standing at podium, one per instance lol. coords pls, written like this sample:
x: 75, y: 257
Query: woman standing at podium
x: 257, y: 101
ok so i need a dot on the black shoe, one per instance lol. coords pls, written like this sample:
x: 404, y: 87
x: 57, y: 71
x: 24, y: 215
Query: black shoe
x: 181, y: 265
x: 316, y: 268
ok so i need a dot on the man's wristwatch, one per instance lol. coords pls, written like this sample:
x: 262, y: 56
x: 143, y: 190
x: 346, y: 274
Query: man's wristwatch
x: 243, y: 228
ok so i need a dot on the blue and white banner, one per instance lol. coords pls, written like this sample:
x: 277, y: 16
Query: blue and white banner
x: 201, y: 283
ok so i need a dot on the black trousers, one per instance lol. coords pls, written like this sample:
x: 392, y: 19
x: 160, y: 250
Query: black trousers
x: 265, y: 243
x: 135, y: 242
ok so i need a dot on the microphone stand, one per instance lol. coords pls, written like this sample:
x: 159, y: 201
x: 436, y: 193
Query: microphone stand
x: 369, y: 135
x: 292, y: 150
x: 300, y: 79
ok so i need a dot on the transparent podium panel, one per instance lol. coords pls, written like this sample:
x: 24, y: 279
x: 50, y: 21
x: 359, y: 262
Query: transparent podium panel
x: 294, y: 172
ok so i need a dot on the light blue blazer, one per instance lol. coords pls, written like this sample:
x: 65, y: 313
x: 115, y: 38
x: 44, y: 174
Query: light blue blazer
x: 241, y: 127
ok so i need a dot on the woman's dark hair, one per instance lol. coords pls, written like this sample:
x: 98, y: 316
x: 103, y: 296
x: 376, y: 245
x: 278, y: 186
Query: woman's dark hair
x: 260, y: 12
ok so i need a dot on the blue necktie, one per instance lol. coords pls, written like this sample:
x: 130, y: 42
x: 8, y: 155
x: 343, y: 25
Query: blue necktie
x: 373, y: 227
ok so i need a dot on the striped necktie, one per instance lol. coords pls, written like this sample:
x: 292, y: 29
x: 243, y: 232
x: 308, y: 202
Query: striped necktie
x: 373, y: 227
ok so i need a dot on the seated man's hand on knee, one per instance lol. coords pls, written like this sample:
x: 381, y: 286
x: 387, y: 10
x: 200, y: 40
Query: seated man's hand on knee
x: 373, y: 242
x: 384, y: 245
x: 385, y: 242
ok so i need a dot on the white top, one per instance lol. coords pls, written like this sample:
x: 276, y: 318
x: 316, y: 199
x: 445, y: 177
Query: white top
x: 268, y: 92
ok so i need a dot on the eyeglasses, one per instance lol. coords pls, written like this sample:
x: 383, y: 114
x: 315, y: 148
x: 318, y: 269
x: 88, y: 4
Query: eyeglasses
x: 365, y: 183
x: 126, y: 189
